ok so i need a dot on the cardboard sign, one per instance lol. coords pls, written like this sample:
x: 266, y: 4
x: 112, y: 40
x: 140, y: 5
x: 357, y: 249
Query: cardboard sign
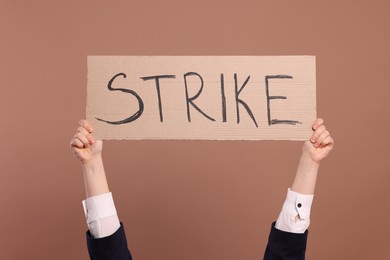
x: 202, y: 97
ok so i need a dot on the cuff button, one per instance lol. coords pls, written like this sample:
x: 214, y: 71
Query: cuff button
x: 299, y: 205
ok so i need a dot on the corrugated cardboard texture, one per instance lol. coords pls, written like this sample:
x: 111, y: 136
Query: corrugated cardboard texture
x: 202, y: 97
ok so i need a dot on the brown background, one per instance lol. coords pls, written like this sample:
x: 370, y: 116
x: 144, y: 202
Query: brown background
x: 192, y: 199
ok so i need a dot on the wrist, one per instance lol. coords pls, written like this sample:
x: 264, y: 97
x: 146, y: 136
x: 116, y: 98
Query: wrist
x: 92, y: 162
x: 305, y: 178
x: 94, y: 177
x: 307, y: 159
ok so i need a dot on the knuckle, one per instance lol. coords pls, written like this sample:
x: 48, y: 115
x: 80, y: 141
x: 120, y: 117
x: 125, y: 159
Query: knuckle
x: 326, y: 132
x: 320, y: 130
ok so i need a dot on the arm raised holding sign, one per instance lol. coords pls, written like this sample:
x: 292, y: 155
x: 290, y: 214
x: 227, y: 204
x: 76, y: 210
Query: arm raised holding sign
x: 288, y: 235
x: 106, y: 238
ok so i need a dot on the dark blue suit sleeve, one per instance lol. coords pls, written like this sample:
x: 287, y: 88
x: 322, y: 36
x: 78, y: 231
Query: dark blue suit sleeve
x: 285, y: 246
x: 113, y: 247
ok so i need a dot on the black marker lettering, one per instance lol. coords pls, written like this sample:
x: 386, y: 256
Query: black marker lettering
x: 137, y: 114
x: 240, y: 101
x: 223, y: 99
x: 276, y: 121
x: 157, y: 79
x: 191, y: 100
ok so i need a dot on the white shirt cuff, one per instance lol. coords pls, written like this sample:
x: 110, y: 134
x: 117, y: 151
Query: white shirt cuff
x: 101, y: 215
x: 295, y: 214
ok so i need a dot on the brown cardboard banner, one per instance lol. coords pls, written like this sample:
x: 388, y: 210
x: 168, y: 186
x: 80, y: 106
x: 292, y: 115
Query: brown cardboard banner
x: 202, y: 97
